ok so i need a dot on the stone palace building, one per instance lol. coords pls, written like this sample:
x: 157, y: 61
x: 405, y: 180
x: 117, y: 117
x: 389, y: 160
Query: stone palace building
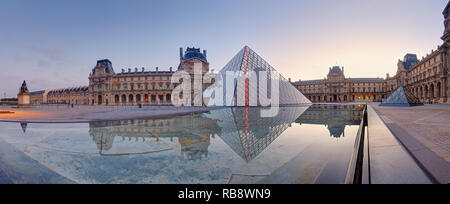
x: 427, y: 78
x: 128, y: 87
x: 337, y: 88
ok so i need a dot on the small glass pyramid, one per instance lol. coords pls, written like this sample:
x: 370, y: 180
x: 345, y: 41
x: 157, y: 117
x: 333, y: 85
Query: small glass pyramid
x: 248, y: 61
x: 401, y: 97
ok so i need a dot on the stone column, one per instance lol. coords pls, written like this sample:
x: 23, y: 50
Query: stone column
x: 156, y: 98
x: 445, y: 90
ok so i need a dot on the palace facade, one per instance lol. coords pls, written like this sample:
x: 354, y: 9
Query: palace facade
x: 139, y: 86
x: 336, y: 88
x: 74, y: 95
x: 129, y: 87
x: 427, y: 79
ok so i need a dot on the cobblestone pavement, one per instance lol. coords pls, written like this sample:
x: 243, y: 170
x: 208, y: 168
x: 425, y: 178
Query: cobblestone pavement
x: 429, y: 124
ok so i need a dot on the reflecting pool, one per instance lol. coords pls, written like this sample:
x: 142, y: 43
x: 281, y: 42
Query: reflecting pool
x: 230, y: 145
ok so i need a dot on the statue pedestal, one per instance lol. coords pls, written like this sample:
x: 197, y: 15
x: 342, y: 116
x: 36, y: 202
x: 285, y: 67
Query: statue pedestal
x: 24, y: 100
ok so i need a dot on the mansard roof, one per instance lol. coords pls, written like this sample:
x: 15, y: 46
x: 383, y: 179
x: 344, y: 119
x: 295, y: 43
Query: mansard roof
x: 194, y: 53
x: 106, y: 63
x: 37, y: 92
x: 446, y: 8
x: 308, y: 82
x: 82, y: 89
x: 147, y: 72
x: 362, y: 80
x: 366, y: 79
x: 335, y: 69
x: 410, y: 60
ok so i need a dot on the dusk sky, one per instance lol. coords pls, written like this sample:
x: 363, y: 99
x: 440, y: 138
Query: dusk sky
x: 55, y: 43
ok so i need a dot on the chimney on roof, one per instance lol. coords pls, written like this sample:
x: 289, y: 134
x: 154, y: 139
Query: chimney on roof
x: 289, y: 79
x: 387, y: 75
x: 204, y: 53
x: 342, y: 69
x: 157, y: 69
x: 129, y: 70
x: 170, y: 69
x: 135, y: 69
x: 143, y: 69
x: 123, y: 71
x: 181, y: 53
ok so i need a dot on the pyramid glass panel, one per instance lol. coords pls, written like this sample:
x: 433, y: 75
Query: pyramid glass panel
x: 247, y: 62
x: 401, y: 97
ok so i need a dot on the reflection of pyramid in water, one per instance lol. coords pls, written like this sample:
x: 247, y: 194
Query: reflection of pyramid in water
x: 247, y: 133
x: 401, y: 97
x: 247, y: 61
x: 24, y: 127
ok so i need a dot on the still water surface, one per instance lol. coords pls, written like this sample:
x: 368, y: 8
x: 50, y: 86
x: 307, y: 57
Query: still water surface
x: 231, y: 145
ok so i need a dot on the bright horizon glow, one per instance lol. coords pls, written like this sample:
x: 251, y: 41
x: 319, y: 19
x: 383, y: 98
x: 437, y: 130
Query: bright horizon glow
x: 55, y: 44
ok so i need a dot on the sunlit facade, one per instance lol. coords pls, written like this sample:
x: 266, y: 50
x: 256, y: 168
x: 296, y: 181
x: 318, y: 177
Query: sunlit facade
x: 129, y: 87
x: 426, y: 79
x: 139, y: 86
x: 337, y: 88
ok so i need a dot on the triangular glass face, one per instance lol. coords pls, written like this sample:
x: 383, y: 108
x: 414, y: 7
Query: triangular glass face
x: 247, y: 63
x: 401, y: 97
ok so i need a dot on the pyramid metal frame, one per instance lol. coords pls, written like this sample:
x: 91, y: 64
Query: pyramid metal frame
x: 247, y: 60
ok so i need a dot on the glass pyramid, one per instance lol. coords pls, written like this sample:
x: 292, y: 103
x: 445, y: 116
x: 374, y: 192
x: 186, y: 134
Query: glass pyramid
x: 401, y: 97
x: 248, y: 61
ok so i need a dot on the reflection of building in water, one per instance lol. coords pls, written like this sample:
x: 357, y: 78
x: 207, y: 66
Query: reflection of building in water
x: 193, y: 133
x: 335, y: 117
x: 242, y: 129
x: 247, y: 133
x: 24, y: 127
